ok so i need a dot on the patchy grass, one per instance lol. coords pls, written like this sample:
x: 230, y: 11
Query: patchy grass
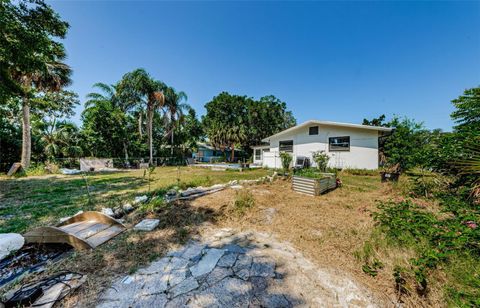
x: 243, y: 201
x: 336, y: 230
x: 41, y: 200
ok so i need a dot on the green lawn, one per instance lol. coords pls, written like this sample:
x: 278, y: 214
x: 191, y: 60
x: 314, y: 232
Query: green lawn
x: 41, y: 200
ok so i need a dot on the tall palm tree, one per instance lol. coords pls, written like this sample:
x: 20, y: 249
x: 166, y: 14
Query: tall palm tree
x: 115, y: 98
x: 174, y: 105
x: 141, y: 87
x: 109, y: 94
x: 51, y: 78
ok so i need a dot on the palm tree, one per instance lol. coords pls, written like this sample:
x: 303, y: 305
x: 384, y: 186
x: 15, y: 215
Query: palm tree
x: 140, y: 87
x: 235, y: 135
x: 117, y: 99
x: 51, y: 78
x: 470, y: 166
x: 174, y: 104
x: 224, y: 137
x: 109, y: 94
x: 54, y: 137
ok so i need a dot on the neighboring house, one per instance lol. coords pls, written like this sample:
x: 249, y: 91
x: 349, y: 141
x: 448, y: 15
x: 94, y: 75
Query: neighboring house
x: 348, y: 145
x: 207, y: 153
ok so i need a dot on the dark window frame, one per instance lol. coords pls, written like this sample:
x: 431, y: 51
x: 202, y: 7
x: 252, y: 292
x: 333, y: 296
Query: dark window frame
x: 310, y: 133
x: 284, y: 146
x: 259, y: 156
x: 337, y: 148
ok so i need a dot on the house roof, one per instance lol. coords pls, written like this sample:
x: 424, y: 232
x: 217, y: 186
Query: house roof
x: 204, y: 145
x: 329, y: 123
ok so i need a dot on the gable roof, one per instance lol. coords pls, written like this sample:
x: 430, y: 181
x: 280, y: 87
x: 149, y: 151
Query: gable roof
x: 329, y: 123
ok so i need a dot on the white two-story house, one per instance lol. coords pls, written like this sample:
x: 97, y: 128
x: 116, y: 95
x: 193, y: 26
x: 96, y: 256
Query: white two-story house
x: 348, y: 145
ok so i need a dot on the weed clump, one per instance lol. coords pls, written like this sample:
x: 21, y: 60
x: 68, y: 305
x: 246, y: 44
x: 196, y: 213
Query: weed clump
x: 243, y: 201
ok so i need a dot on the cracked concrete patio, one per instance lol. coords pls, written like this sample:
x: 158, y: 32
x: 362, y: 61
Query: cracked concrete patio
x: 238, y: 269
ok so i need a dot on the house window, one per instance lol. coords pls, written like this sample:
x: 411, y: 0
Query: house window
x: 258, y: 154
x: 286, y: 146
x: 313, y: 130
x: 266, y: 150
x: 339, y: 143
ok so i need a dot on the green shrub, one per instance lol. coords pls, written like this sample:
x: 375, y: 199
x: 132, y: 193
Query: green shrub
x: 152, y: 205
x: 243, y: 201
x: 437, y: 243
x: 286, y: 159
x: 310, y: 173
x: 321, y: 159
x: 36, y: 169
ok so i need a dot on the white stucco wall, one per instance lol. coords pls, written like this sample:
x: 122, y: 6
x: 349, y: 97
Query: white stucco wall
x: 262, y: 152
x: 363, y: 152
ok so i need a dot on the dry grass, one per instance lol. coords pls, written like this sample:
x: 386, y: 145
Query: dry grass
x: 131, y: 250
x: 330, y: 229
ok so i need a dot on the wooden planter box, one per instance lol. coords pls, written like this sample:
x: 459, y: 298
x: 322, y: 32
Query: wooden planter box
x: 314, y: 187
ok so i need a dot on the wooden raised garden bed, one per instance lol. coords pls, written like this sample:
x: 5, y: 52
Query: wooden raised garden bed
x: 314, y: 186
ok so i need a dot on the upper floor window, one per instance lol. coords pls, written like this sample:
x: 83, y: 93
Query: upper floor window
x: 313, y: 130
x: 339, y: 143
x: 286, y: 146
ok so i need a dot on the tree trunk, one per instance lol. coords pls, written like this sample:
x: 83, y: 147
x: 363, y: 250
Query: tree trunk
x: 150, y: 134
x: 125, y: 149
x: 140, y: 120
x: 232, y: 155
x: 26, y: 134
x: 171, y: 148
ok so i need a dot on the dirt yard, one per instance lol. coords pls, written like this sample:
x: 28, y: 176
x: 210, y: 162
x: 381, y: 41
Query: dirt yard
x: 327, y: 229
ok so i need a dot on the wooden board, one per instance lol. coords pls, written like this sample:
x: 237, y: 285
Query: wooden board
x: 83, y: 231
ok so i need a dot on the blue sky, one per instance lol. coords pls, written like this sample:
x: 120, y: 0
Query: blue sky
x: 338, y: 61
